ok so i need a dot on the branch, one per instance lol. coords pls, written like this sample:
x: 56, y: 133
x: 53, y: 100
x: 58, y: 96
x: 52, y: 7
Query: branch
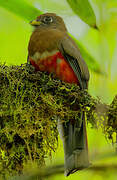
x: 30, y: 102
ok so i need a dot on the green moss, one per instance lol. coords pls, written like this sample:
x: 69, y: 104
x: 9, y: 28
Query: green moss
x: 30, y: 103
x: 111, y: 125
x: 27, y: 130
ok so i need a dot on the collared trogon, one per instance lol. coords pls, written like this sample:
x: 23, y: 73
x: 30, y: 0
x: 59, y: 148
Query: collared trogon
x: 51, y: 49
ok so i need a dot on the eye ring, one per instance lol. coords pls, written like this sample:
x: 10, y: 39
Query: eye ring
x: 48, y: 19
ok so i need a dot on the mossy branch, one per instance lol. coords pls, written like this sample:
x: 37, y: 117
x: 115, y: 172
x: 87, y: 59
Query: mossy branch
x: 30, y: 103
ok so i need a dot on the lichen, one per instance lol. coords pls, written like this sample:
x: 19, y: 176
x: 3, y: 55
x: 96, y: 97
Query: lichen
x: 111, y: 125
x: 30, y: 103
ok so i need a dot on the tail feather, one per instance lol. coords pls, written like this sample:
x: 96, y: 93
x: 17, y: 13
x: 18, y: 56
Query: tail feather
x: 75, y: 145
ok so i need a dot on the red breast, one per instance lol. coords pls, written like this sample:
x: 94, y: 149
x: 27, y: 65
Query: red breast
x: 54, y: 62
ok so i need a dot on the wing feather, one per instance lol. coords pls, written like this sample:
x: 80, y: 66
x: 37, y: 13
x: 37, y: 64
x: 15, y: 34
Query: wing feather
x: 72, y: 55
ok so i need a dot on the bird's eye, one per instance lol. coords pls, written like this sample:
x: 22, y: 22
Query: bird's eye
x: 47, y: 19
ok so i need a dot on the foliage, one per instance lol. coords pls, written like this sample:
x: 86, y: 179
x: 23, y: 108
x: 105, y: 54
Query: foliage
x: 21, y: 8
x: 84, y: 10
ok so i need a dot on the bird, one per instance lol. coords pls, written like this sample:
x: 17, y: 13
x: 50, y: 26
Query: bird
x: 52, y: 50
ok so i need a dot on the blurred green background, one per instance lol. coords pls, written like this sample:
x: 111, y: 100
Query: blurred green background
x: 98, y: 47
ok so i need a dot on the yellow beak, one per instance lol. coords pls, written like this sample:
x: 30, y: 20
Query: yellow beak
x: 35, y: 23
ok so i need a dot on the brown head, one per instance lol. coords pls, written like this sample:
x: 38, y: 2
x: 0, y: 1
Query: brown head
x: 49, y: 20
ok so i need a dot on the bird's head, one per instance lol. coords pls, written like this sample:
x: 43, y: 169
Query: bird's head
x: 49, y: 20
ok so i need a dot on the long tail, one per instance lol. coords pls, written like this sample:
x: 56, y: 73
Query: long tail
x: 75, y: 144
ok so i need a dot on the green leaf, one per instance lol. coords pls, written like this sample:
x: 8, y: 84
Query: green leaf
x: 21, y: 8
x: 91, y: 62
x: 84, y: 10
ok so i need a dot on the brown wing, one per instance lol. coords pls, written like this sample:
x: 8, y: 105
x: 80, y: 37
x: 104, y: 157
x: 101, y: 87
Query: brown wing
x: 72, y: 54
